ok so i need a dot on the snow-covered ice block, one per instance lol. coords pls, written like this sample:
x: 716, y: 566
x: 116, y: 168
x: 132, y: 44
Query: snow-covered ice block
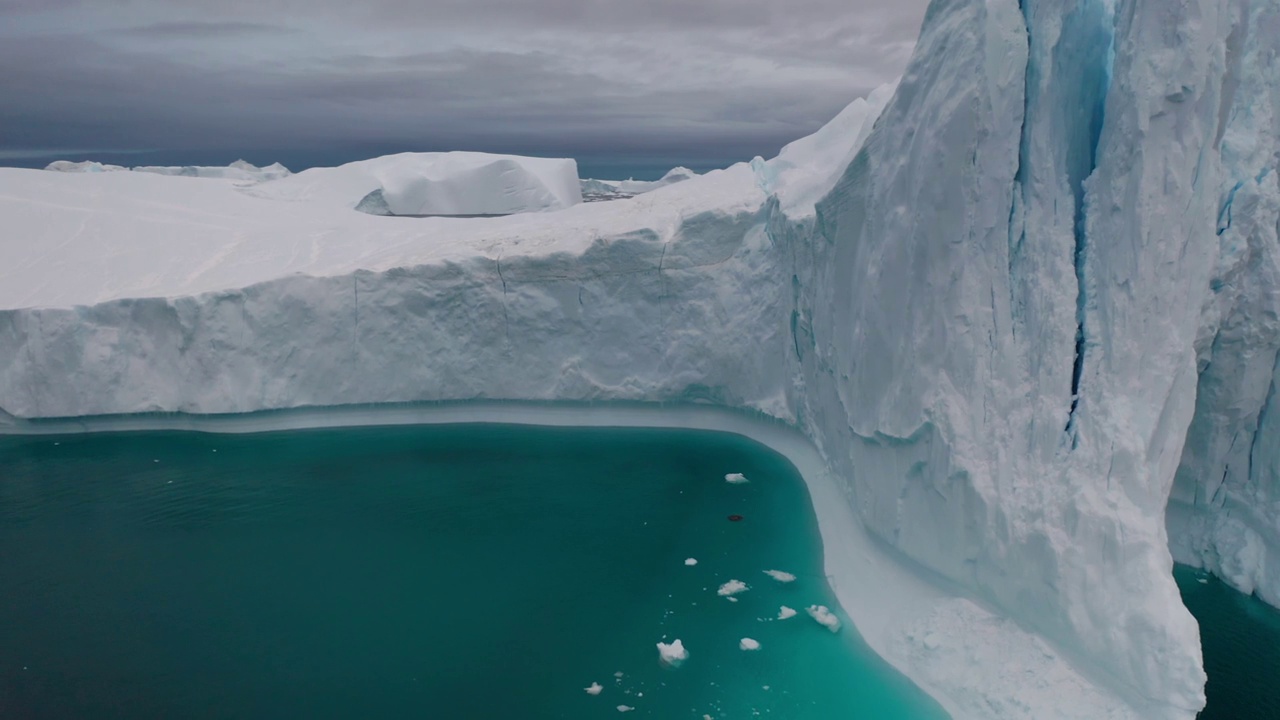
x: 448, y: 183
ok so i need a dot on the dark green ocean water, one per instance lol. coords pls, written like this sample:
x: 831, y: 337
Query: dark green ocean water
x: 424, y: 572
x: 1240, y: 638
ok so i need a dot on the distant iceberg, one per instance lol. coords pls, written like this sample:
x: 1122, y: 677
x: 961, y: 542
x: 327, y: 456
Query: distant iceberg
x: 240, y: 171
x: 445, y: 183
x: 85, y: 166
x: 628, y: 188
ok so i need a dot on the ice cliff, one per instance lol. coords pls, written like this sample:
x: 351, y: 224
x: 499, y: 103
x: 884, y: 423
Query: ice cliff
x: 1023, y: 312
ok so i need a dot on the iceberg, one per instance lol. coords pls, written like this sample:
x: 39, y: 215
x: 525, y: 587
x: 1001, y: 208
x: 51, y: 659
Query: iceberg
x: 449, y: 183
x: 239, y: 171
x: 85, y: 166
x: 1018, y: 312
x: 630, y: 187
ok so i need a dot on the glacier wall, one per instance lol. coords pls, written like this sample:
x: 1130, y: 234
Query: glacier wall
x: 1224, y: 513
x: 1038, y: 303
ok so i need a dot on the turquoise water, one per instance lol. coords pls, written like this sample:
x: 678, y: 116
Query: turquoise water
x: 1240, y: 637
x: 434, y: 572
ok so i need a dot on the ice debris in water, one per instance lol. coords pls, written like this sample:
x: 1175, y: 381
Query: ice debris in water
x: 748, y: 644
x: 690, y: 562
x: 735, y: 478
x: 780, y: 576
x: 824, y: 617
x: 625, y: 708
x: 594, y: 689
x: 672, y: 654
x: 733, y: 587
x: 786, y: 613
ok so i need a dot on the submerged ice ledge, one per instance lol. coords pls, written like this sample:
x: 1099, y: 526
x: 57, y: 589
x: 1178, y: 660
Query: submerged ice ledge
x: 976, y: 663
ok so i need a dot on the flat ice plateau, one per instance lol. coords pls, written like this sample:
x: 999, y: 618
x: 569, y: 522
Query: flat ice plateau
x: 1013, y: 309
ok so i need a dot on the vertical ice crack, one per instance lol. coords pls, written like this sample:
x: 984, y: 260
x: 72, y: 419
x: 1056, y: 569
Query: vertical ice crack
x: 506, y: 321
x: 1087, y: 41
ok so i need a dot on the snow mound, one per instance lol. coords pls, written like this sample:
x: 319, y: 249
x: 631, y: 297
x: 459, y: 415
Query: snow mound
x: 450, y: 183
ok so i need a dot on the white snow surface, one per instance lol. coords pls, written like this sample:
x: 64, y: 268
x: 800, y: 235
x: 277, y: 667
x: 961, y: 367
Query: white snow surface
x: 1043, y: 173
x: 446, y: 183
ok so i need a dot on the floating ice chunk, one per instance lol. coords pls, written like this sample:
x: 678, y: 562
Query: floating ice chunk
x: 672, y: 654
x: 735, y: 478
x: 780, y: 576
x: 824, y: 617
x: 786, y: 613
x: 595, y: 688
x: 748, y: 644
x: 690, y: 562
x: 733, y: 587
x: 732, y: 599
x: 625, y: 708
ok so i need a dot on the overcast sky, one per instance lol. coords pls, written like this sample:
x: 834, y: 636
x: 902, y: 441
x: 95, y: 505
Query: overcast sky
x: 327, y: 81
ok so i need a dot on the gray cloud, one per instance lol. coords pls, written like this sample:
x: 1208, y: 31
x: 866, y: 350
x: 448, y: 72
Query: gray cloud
x: 713, y: 78
x: 202, y: 29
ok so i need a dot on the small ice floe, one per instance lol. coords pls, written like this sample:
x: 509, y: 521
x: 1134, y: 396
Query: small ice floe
x: 736, y: 478
x: 672, y: 654
x: 780, y: 576
x: 1203, y: 581
x: 690, y: 561
x: 786, y: 613
x: 732, y: 599
x: 618, y: 674
x: 625, y: 708
x: 748, y: 644
x: 824, y: 617
x: 595, y: 688
x: 733, y: 587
